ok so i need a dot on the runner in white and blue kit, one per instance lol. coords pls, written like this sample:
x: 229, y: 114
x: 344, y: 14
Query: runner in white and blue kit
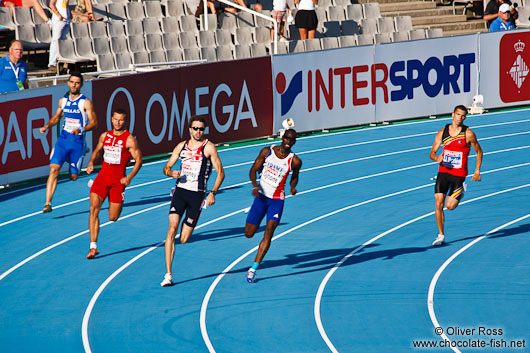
x: 79, y: 117
x: 274, y: 164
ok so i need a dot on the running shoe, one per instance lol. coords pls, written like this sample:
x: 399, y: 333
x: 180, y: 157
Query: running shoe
x: 92, y: 253
x: 47, y: 208
x: 251, y: 276
x: 439, y: 240
x: 168, y: 280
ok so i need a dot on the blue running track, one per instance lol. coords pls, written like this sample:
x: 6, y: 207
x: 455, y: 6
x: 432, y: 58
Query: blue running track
x: 351, y: 268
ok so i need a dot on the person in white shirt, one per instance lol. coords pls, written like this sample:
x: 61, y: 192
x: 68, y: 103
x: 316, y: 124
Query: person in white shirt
x: 306, y: 18
x: 60, y: 27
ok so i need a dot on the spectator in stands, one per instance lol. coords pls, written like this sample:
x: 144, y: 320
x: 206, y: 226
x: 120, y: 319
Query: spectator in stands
x: 306, y: 18
x: 60, y: 28
x: 279, y: 13
x: 492, y: 11
x: 197, y: 8
x: 27, y: 3
x: 244, y: 3
x: 83, y: 12
x: 503, y: 22
x: 13, y: 70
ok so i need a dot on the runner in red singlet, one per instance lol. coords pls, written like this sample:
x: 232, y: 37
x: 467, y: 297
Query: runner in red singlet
x: 456, y: 139
x: 118, y: 147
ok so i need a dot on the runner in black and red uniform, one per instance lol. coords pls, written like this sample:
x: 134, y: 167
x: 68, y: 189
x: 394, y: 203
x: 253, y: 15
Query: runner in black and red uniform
x: 118, y: 147
x: 456, y: 139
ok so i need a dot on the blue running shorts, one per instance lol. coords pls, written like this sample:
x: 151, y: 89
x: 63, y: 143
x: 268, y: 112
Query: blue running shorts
x: 69, y: 147
x: 263, y: 205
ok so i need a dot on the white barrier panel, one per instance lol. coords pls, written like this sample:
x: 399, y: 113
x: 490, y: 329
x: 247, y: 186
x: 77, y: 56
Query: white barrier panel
x: 352, y: 86
x: 425, y: 77
x: 505, y: 62
x: 324, y: 89
x: 24, y: 151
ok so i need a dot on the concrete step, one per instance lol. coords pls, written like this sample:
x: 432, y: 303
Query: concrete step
x: 407, y: 6
x: 434, y: 20
x: 464, y: 31
x: 473, y: 25
x: 439, y: 11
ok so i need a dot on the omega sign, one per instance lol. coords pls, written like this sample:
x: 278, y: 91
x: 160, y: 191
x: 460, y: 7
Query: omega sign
x: 179, y: 114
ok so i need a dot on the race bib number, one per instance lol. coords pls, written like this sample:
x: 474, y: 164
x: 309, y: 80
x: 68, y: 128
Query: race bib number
x: 452, y: 159
x: 112, y: 154
x: 72, y: 124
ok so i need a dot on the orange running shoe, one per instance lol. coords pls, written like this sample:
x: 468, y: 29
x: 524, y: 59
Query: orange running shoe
x: 92, y: 254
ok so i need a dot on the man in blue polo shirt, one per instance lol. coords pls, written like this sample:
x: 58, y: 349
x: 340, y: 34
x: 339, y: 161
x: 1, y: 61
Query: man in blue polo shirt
x: 13, y: 70
x: 503, y: 22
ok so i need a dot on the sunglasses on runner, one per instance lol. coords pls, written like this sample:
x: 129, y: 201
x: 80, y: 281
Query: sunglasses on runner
x: 197, y: 128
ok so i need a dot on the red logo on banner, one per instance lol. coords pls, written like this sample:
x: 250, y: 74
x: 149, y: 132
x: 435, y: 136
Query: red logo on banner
x: 22, y: 146
x: 514, y: 80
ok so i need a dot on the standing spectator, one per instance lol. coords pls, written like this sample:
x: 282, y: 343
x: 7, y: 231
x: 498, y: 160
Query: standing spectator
x: 279, y: 13
x: 13, y: 70
x: 60, y: 28
x: 83, y: 12
x: 27, y: 3
x: 306, y: 18
x: 492, y: 11
x: 503, y: 22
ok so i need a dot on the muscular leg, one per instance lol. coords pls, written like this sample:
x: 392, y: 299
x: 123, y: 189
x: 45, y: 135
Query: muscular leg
x: 51, y: 184
x: 185, y: 233
x: 439, y: 211
x: 266, y: 241
x: 114, y: 211
x: 250, y: 230
x: 93, y: 222
x: 451, y: 203
x: 170, y: 240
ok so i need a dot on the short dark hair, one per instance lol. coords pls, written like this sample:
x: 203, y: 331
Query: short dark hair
x: 15, y: 41
x: 292, y: 130
x: 198, y: 118
x: 120, y: 111
x: 460, y: 107
x: 77, y: 74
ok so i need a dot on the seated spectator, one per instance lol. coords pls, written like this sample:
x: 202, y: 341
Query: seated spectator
x: 83, y: 12
x: 243, y: 3
x: 27, y: 3
x: 503, y: 22
x: 492, y: 11
x: 13, y: 70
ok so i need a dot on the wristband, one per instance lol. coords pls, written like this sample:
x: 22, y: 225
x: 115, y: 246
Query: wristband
x: 213, y: 192
x: 56, y: 12
x: 168, y: 172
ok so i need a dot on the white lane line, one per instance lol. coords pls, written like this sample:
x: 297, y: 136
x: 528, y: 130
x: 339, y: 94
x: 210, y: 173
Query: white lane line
x: 29, y: 188
x: 432, y: 286
x: 318, y: 297
x: 208, y: 295
x: 3, y: 275
x: 248, y: 163
x: 90, y: 307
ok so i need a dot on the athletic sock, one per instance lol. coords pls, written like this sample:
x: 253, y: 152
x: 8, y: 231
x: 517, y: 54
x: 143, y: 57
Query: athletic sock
x: 255, y: 266
x: 93, y: 245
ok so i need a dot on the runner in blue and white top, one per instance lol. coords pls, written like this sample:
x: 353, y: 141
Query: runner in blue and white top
x: 79, y: 117
x: 274, y: 164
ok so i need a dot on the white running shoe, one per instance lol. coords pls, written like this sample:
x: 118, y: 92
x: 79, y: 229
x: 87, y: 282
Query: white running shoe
x: 439, y: 240
x: 251, y: 276
x: 168, y: 280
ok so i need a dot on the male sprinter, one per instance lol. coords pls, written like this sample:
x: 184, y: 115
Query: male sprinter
x: 79, y: 117
x: 118, y: 147
x: 274, y: 164
x: 455, y: 138
x: 197, y: 155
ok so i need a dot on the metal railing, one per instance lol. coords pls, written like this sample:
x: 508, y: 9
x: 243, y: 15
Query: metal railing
x: 255, y: 13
